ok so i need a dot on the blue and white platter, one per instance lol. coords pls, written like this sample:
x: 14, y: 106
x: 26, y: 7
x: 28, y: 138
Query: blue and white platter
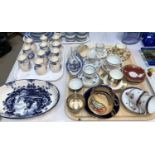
x: 27, y: 98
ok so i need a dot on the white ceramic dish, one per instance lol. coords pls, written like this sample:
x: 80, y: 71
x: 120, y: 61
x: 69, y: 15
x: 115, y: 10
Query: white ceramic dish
x: 75, y: 84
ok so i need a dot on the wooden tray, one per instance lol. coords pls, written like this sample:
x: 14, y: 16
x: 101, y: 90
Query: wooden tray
x: 123, y: 113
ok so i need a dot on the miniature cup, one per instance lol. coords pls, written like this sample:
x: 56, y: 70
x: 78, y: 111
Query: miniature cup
x: 40, y: 67
x: 24, y: 63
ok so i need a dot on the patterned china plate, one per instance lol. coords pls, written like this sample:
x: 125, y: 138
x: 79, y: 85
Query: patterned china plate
x: 27, y: 98
x: 128, y: 105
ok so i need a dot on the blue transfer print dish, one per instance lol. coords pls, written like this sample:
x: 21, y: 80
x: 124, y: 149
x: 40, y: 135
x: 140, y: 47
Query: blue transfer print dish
x: 27, y: 98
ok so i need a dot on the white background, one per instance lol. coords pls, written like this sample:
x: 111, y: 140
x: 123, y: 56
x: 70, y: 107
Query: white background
x: 77, y: 138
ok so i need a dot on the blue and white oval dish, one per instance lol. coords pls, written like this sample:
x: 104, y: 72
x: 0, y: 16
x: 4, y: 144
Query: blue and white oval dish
x: 27, y: 98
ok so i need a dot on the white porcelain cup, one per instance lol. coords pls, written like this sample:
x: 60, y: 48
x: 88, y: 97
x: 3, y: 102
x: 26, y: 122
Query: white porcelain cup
x: 89, y: 70
x: 115, y: 76
x: 40, y: 67
x: 24, y: 63
x: 134, y: 95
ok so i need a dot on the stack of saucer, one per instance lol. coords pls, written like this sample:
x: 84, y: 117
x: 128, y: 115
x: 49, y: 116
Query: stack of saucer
x: 76, y: 36
x: 138, y: 101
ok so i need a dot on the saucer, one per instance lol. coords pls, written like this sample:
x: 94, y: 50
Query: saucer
x: 90, y: 82
x: 128, y: 105
x: 118, y: 87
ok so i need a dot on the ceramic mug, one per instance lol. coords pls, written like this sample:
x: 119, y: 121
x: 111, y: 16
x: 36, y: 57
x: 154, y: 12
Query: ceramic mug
x: 24, y: 63
x: 144, y: 102
x: 42, y: 54
x: 135, y: 94
x: 89, y: 71
x: 40, y: 67
x: 114, y: 77
x: 54, y: 64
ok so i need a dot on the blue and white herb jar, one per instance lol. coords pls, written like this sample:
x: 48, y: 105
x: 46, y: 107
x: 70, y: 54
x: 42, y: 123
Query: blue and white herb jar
x: 39, y: 66
x: 54, y: 64
x: 24, y: 63
x: 28, y: 51
x: 44, y: 46
x: 43, y: 54
x: 44, y: 38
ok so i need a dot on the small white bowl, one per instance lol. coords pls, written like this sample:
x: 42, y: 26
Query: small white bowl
x: 75, y: 84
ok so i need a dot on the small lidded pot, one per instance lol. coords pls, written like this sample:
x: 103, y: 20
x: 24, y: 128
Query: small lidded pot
x: 54, y: 64
x: 29, y: 41
x: 40, y: 67
x: 24, y: 63
x: 56, y: 36
x: 56, y: 44
x: 55, y: 52
x: 44, y: 38
x: 42, y: 54
x: 44, y: 46
x: 28, y: 51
